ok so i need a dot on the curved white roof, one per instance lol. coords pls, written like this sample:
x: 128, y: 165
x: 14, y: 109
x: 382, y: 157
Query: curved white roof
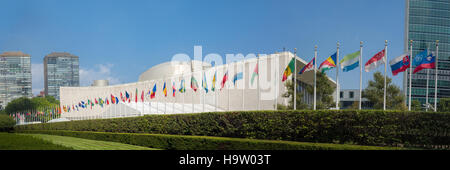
x: 171, y: 68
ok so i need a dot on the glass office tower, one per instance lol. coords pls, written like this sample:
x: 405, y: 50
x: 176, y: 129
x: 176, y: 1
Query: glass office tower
x: 426, y: 22
x: 15, y: 77
x: 60, y: 69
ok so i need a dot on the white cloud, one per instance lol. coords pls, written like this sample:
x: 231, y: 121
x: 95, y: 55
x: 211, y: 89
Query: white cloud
x: 99, y: 72
x: 37, y: 74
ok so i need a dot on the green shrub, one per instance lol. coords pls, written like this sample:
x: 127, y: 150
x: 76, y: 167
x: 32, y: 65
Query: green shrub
x: 383, y: 128
x: 183, y: 142
x: 6, y: 123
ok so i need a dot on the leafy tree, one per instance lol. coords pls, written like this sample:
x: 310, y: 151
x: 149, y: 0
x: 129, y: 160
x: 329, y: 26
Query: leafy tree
x: 375, y: 93
x: 444, y: 105
x: 324, y: 90
x: 24, y: 103
x: 6, y: 123
x: 415, y: 105
x: 289, y: 94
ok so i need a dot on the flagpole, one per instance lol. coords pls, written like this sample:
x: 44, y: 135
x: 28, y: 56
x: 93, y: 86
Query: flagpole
x: 315, y: 77
x: 410, y: 72
x: 259, y: 89
x: 428, y: 75
x: 360, y: 73
x: 204, y: 89
x: 337, y: 77
x: 228, y: 90
x: 436, y: 76
x: 215, y: 90
x: 385, y: 68
x: 243, y: 84
x: 295, y: 79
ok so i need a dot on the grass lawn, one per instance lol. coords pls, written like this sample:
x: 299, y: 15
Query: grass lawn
x: 14, y: 141
x: 85, y: 144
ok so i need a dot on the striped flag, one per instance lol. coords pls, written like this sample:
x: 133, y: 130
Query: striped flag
x: 213, y: 88
x: 194, y: 84
x: 205, y: 86
x: 308, y: 67
x: 255, y: 73
x: 289, y: 69
x: 224, y: 80
x: 350, y: 61
x: 329, y: 63
x: 165, y: 89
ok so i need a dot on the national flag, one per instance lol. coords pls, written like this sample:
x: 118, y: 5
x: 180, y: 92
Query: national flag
x: 255, y: 73
x: 173, y: 89
x: 182, y: 86
x: 236, y: 77
x: 127, y: 96
x: 428, y: 62
x: 142, y: 96
x: 107, y: 101
x: 136, y: 96
x: 152, y: 94
x: 399, y: 64
x: 117, y: 100
x: 121, y: 97
x: 113, y: 99
x: 194, y: 84
x: 289, y: 69
x: 419, y: 57
x: 308, y: 67
x: 375, y: 61
x: 96, y: 102
x: 224, y: 80
x: 213, y: 86
x: 329, y: 63
x: 205, y: 86
x: 350, y: 61
x: 165, y: 89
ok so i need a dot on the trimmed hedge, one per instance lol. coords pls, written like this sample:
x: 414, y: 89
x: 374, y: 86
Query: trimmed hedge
x: 383, y: 128
x: 182, y: 142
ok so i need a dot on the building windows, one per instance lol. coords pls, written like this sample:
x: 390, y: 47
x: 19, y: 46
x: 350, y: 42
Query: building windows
x: 351, y: 94
x: 341, y: 95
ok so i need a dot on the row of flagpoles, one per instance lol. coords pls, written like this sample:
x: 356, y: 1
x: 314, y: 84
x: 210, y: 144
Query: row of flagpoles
x: 42, y: 115
x: 348, y: 63
x: 351, y: 61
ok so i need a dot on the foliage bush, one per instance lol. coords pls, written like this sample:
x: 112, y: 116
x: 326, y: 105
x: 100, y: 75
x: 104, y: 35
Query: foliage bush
x: 6, y: 123
x: 183, y: 142
x: 383, y: 128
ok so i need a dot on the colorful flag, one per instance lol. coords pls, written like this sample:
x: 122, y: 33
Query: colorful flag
x: 205, y: 86
x: 419, y: 57
x: 399, y: 64
x: 117, y: 100
x: 182, y: 87
x: 255, y: 73
x: 194, y: 84
x: 142, y: 96
x: 173, y: 89
x: 350, y: 61
x: 136, y: 96
x: 152, y: 95
x: 375, y: 61
x: 107, y: 101
x: 213, y: 86
x: 127, y: 96
x: 121, y: 97
x: 224, y: 80
x: 289, y: 69
x: 428, y: 62
x: 165, y: 89
x: 113, y: 100
x: 309, y: 66
x: 329, y: 63
x: 237, y: 76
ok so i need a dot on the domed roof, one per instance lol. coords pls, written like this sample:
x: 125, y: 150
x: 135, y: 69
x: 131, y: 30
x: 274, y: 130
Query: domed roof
x: 172, y: 68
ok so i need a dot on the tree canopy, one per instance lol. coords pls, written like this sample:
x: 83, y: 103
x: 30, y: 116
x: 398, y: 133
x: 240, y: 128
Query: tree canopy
x: 375, y: 93
x: 25, y: 103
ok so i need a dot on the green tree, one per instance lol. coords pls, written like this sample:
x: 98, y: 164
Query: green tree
x: 324, y: 90
x: 415, y: 105
x: 25, y: 104
x: 444, y: 105
x: 6, y: 123
x: 375, y: 93
x: 289, y: 94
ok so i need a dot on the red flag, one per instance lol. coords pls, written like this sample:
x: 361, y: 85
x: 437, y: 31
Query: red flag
x: 224, y: 80
x: 142, y: 96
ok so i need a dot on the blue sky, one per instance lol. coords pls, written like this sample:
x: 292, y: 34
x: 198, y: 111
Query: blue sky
x: 118, y: 40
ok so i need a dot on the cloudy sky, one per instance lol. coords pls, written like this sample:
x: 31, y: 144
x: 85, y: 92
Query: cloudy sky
x: 118, y: 40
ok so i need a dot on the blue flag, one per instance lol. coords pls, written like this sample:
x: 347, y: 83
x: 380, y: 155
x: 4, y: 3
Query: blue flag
x: 237, y: 77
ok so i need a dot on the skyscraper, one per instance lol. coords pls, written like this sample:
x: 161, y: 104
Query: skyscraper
x: 426, y: 22
x: 60, y: 69
x: 15, y: 77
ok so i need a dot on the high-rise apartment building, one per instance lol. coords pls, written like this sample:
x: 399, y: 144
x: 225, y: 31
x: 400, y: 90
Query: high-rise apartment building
x: 60, y: 70
x: 15, y: 77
